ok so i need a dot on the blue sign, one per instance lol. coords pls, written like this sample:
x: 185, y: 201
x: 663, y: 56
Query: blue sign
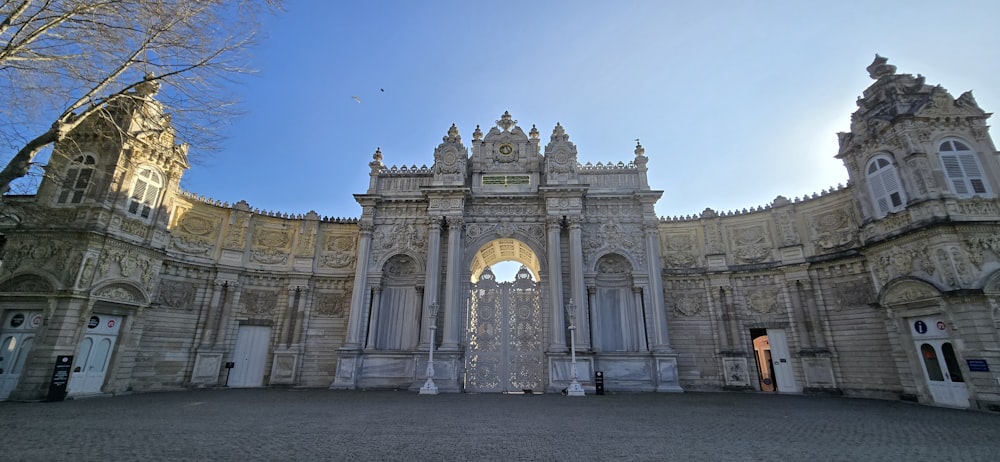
x: 920, y: 327
x: 977, y: 365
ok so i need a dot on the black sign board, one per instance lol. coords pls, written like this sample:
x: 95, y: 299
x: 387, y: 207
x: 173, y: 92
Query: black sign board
x: 599, y: 382
x: 60, y: 378
x: 977, y: 365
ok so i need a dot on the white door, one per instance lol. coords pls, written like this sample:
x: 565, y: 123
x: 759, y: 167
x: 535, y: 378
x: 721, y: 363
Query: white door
x: 944, y: 376
x: 16, y: 337
x: 249, y: 356
x: 90, y: 365
x: 782, y: 361
x: 938, y: 360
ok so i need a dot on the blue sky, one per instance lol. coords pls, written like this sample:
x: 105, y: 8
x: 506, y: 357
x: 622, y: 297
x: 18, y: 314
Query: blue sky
x: 736, y: 102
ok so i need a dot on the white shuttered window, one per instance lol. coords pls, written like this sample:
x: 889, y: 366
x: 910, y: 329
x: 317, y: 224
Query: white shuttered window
x: 885, y: 187
x: 962, y: 168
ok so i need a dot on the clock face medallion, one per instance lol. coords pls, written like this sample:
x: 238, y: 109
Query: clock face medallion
x: 505, y: 153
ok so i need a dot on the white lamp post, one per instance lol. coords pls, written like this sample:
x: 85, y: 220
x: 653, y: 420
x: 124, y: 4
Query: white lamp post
x: 429, y: 387
x: 574, y: 387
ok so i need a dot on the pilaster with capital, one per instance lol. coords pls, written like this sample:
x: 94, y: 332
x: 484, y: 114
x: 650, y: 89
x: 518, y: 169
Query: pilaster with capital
x: 661, y: 337
x: 717, y: 299
x: 453, y: 286
x: 554, y: 226
x: 359, y: 294
x: 431, y: 278
x: 798, y: 313
x: 577, y: 286
x: 373, y: 321
x: 227, y: 302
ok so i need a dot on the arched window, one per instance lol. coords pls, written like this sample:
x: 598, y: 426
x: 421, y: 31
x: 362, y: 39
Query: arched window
x: 145, y: 192
x: 883, y: 183
x: 962, y: 167
x: 77, y: 179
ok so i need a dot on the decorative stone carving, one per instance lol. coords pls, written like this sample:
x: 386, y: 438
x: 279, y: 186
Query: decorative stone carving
x: 134, y: 227
x: 909, y: 291
x: 750, y: 244
x: 237, y: 235
x: 400, y: 265
x: 834, y: 230
x: 450, y: 159
x: 259, y: 303
x: 678, y: 250
x: 616, y: 237
x: 560, y: 153
x: 785, y: 219
x: 397, y: 238
x: 176, y: 294
x: 27, y: 283
x: 762, y: 301
x: 614, y: 264
x: 331, y: 304
x: 688, y: 304
x: 306, y: 246
x: 121, y: 292
x: 269, y: 256
x: 190, y: 245
x: 852, y: 294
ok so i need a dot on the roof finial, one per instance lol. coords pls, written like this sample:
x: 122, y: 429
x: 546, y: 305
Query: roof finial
x: 639, y: 150
x: 878, y: 68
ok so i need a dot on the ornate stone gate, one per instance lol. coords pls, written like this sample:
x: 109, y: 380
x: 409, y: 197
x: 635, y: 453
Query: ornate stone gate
x: 505, y: 348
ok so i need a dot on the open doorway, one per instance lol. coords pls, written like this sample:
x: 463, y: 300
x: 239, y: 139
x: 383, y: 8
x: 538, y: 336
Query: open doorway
x: 762, y: 354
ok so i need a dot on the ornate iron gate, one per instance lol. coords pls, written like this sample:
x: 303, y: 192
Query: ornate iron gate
x: 505, y: 336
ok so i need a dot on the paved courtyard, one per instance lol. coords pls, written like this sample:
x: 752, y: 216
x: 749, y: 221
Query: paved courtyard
x: 321, y: 425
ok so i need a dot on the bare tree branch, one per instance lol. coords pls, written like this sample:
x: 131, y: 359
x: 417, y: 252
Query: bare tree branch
x: 62, y: 61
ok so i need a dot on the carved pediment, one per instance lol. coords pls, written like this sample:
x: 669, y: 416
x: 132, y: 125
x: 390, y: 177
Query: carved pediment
x: 124, y: 293
x: 29, y: 283
x: 908, y: 292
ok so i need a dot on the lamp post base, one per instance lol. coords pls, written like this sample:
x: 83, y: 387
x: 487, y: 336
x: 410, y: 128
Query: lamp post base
x: 429, y: 388
x: 575, y: 389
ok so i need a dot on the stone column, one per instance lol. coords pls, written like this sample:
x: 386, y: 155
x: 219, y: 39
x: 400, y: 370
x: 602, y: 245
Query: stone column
x: 812, y: 315
x: 558, y: 343
x: 577, y: 287
x: 218, y: 289
x: 592, y: 305
x: 227, y: 303
x: 732, y: 320
x: 798, y: 314
x: 661, y: 336
x: 358, y: 296
x: 369, y: 343
x: 453, y: 286
x: 432, y: 281
x: 644, y: 334
x: 718, y: 300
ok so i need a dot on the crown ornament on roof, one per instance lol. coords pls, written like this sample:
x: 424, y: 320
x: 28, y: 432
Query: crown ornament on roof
x: 506, y: 122
x: 879, y: 68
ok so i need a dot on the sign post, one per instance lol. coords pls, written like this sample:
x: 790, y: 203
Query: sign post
x: 60, y: 378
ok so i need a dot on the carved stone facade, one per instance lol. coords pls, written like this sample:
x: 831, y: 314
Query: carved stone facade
x: 855, y: 289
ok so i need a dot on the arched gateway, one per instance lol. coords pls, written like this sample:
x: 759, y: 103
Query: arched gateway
x: 586, y: 236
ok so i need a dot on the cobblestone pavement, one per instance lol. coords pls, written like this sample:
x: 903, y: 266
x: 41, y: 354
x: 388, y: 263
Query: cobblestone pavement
x: 283, y: 424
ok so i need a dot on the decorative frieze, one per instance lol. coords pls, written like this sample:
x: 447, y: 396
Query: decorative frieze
x: 762, y: 301
x: 259, y: 303
x: 750, y: 244
x: 331, y: 303
x: 176, y: 294
x: 834, y: 230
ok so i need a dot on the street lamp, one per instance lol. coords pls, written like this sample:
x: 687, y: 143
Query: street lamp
x: 429, y: 387
x: 574, y: 387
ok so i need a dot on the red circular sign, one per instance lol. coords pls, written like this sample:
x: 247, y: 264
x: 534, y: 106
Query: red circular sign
x: 111, y: 323
x: 940, y: 325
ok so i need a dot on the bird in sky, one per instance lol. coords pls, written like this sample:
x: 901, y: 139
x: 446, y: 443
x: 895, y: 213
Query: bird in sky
x: 355, y: 98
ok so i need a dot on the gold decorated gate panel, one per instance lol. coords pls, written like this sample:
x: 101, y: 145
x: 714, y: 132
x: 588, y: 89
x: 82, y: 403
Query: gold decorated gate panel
x: 505, y: 336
